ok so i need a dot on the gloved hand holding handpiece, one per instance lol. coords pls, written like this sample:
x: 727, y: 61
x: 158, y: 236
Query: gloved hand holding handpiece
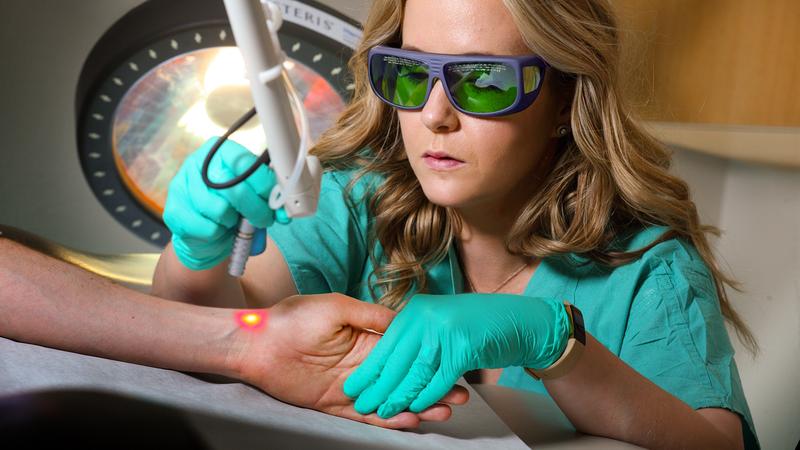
x: 204, y: 232
x: 204, y: 221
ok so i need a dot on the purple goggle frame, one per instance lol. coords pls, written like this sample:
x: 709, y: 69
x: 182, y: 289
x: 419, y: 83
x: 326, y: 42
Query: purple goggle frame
x: 529, y: 81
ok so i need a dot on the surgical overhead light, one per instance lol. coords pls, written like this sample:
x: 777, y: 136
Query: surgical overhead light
x: 167, y: 76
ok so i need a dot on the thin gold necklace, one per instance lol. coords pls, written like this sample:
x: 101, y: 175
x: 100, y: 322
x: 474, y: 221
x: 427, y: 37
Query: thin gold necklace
x: 500, y: 286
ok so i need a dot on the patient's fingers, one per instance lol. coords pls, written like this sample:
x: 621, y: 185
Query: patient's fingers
x: 457, y: 396
x: 407, y: 420
x: 436, y: 413
x: 400, y: 421
x: 442, y: 411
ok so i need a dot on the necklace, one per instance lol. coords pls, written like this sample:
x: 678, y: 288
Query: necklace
x: 500, y: 286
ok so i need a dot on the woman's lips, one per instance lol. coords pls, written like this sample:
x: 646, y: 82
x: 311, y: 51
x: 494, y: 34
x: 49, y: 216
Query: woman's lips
x: 441, y: 161
x: 440, y: 155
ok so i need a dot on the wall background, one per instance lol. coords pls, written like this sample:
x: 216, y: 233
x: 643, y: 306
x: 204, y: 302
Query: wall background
x: 43, y: 44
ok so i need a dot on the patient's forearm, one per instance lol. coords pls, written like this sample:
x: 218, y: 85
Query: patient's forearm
x: 48, y: 302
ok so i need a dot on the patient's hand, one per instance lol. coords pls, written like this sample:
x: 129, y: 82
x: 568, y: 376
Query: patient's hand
x: 309, y: 346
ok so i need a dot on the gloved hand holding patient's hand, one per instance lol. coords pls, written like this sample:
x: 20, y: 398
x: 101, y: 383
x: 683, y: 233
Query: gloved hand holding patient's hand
x: 204, y: 221
x: 435, y: 339
x: 308, y: 347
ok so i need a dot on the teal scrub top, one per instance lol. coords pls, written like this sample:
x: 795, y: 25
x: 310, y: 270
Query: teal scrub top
x: 659, y: 314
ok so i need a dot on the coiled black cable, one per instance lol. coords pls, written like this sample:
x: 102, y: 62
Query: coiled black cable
x: 263, y: 159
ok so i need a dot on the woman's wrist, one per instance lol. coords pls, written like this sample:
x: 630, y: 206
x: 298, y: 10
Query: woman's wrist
x: 560, y: 341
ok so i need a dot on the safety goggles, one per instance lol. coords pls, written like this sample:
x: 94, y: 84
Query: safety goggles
x: 484, y: 86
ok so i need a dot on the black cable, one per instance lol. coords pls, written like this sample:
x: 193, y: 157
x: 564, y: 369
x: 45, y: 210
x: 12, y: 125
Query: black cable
x: 263, y: 159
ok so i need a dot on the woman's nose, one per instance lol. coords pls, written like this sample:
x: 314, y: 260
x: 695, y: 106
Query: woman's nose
x: 438, y: 113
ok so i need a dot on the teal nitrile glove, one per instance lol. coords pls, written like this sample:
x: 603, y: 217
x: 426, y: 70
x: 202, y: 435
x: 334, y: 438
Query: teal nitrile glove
x: 203, y: 221
x: 435, y: 339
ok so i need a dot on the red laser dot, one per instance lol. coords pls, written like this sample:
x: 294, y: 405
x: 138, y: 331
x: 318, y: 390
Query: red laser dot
x: 250, y: 319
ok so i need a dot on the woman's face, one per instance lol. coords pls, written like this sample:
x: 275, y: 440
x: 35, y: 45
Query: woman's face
x: 492, y: 162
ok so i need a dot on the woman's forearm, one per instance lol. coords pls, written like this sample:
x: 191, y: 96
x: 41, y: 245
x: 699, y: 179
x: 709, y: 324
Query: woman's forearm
x: 604, y: 396
x: 51, y: 303
x: 212, y: 287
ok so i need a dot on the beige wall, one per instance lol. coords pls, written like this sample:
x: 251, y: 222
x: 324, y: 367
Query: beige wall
x: 714, y: 61
x: 758, y: 210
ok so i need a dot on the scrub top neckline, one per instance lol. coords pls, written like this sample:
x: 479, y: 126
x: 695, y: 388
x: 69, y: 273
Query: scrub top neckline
x: 457, y: 275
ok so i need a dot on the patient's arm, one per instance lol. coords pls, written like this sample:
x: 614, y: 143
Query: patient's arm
x: 48, y: 302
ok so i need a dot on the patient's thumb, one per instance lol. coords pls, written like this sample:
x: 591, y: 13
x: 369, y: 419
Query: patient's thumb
x: 369, y: 316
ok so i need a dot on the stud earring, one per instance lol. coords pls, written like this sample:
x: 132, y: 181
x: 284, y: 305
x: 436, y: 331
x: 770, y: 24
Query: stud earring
x: 562, y: 130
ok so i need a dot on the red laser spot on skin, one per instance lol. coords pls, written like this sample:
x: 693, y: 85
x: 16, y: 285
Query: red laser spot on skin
x: 251, y: 320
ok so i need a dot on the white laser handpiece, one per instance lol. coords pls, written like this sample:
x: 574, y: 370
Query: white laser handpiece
x: 298, y: 174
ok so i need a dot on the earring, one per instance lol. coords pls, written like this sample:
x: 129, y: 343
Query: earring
x: 562, y: 130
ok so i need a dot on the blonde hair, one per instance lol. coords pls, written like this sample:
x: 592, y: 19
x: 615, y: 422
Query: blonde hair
x: 608, y: 177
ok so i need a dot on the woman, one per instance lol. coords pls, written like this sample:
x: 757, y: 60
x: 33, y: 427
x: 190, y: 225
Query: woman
x: 487, y: 151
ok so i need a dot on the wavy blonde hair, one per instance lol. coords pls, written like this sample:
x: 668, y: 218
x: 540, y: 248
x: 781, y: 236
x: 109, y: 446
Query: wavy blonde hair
x: 608, y: 177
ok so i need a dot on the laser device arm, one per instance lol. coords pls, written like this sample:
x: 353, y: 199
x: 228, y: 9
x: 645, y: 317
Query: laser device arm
x: 297, y: 173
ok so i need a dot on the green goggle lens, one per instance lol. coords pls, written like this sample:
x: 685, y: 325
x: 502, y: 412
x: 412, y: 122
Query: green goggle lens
x: 400, y: 81
x: 482, y: 87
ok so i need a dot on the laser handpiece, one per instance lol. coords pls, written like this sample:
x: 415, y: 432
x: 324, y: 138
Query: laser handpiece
x: 298, y: 174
